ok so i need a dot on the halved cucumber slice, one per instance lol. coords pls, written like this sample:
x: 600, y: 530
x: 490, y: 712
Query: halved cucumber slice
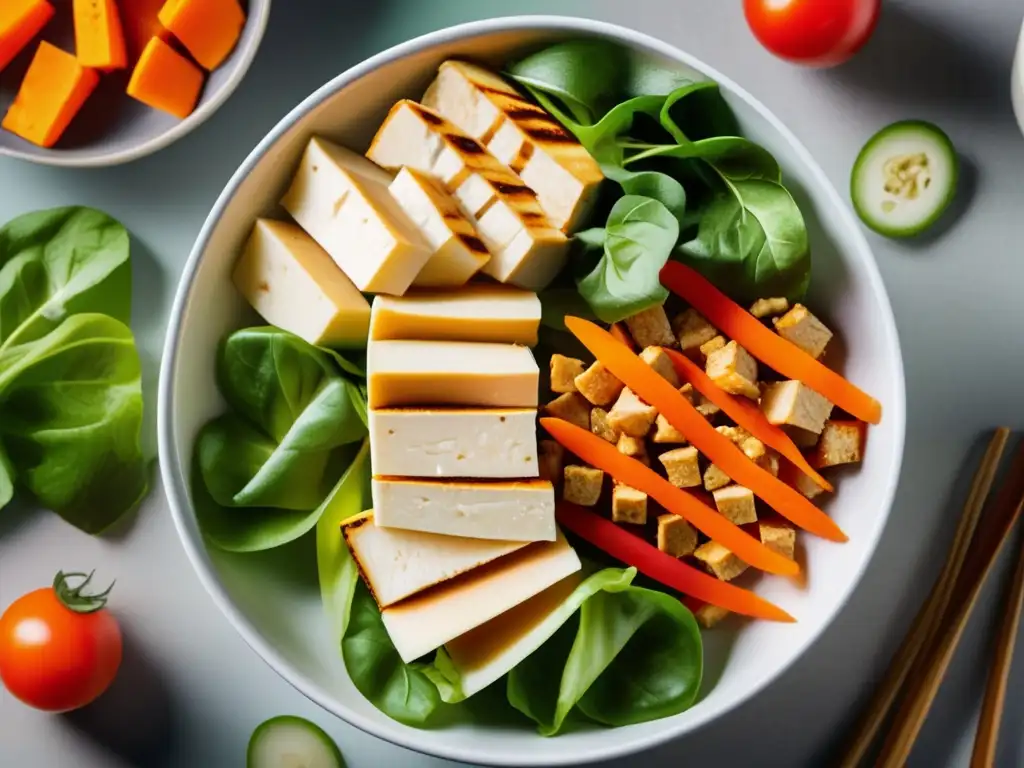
x: 904, y: 178
x: 292, y: 742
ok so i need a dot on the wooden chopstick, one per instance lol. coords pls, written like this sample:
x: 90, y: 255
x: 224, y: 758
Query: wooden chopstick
x: 993, y: 530
x: 985, y: 741
x: 923, y: 629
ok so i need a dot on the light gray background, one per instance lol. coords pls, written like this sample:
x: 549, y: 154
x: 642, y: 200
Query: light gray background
x: 191, y: 691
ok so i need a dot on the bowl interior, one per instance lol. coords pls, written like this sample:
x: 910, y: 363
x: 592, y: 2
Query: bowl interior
x: 113, y: 127
x: 273, y: 597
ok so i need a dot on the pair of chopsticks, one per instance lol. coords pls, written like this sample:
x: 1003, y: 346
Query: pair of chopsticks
x: 923, y: 658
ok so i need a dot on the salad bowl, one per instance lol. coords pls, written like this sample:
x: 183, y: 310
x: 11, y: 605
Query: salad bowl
x: 272, y: 598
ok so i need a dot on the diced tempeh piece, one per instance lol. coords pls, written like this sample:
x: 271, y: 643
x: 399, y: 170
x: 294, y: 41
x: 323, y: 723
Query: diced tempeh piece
x: 564, y: 371
x: 704, y: 407
x: 793, y: 403
x: 570, y: 407
x: 842, y: 442
x: 792, y: 476
x: 693, y: 329
x: 631, y: 415
x: 709, y: 348
x: 665, y: 432
x: 769, y: 307
x: 715, y: 478
x: 804, y: 330
x: 629, y: 505
x: 676, y: 537
x: 550, y: 457
x: 708, y: 616
x: 633, y: 447
x: 598, y: 385
x: 770, y: 462
x: 650, y: 328
x: 661, y: 363
x: 733, y: 369
x: 802, y: 438
x: 720, y: 561
x: 582, y: 485
x: 736, y: 504
x: 599, y: 426
x: 682, y: 466
x: 779, y: 537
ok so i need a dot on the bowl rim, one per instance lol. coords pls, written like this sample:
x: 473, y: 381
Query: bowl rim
x: 175, y: 476
x: 56, y: 158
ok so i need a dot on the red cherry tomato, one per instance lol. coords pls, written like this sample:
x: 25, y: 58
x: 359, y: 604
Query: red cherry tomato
x: 818, y: 33
x: 59, y: 649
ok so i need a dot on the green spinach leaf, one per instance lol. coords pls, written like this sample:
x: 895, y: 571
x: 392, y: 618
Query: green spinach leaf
x: 654, y: 184
x: 70, y: 420
x: 697, y: 111
x: 641, y: 233
x: 6, y: 479
x: 731, y: 157
x: 401, y: 691
x: 752, y: 242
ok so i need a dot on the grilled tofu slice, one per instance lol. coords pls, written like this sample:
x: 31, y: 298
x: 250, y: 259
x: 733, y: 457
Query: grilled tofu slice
x: 521, y: 135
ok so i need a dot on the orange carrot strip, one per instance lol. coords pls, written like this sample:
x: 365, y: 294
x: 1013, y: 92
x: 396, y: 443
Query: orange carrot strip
x: 603, y: 455
x: 20, y: 21
x: 746, y: 414
x: 620, y: 335
x: 665, y: 569
x: 768, y: 347
x: 653, y: 389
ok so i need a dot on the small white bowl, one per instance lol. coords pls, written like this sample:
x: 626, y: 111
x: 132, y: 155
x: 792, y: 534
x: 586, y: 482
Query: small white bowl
x: 277, y: 610
x: 96, y: 139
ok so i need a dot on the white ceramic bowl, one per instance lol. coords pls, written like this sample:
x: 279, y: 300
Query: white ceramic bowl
x: 113, y: 128
x: 277, y: 608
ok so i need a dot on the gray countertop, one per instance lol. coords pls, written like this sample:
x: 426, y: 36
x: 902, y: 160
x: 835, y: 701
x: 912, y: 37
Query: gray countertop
x: 191, y: 691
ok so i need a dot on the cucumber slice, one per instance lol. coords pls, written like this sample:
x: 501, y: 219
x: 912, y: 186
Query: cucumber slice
x: 904, y: 178
x: 292, y: 742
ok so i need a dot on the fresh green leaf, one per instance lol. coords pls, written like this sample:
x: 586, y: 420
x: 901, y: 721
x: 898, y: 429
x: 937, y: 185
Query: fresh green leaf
x: 602, y: 139
x: 586, y: 75
x: 401, y: 691
x: 639, y: 645
x: 256, y: 528
x: 352, y: 363
x: 6, y: 479
x: 71, y: 417
x: 697, y: 111
x: 57, y: 263
x: 653, y: 184
x: 641, y: 233
x: 338, y: 572
x: 732, y: 157
x: 752, y: 243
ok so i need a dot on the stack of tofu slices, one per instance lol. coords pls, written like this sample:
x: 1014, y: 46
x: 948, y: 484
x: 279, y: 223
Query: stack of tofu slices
x: 460, y: 211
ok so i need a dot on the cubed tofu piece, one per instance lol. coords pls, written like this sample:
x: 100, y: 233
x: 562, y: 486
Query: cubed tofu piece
x: 795, y: 404
x: 634, y: 447
x: 650, y: 328
x: 736, y: 504
x: 666, y: 433
x: 598, y: 385
x: 661, y: 363
x: 709, y: 348
x: 599, y: 426
x: 733, y: 369
x: 550, y: 458
x: 802, y: 438
x: 715, y: 478
x: 564, y: 371
x: 582, y: 485
x: 763, y: 308
x: 570, y: 407
x: 792, y: 476
x: 676, y: 537
x: 693, y: 330
x: 720, y: 561
x: 842, y: 442
x: 631, y: 415
x: 629, y: 505
x: 779, y: 537
x: 704, y: 407
x: 804, y: 330
x: 682, y: 466
x: 709, y: 616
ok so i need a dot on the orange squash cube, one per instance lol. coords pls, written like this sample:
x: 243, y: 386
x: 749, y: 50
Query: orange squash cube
x: 52, y: 93
x: 209, y: 29
x: 99, y: 37
x: 166, y: 80
x: 20, y: 21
